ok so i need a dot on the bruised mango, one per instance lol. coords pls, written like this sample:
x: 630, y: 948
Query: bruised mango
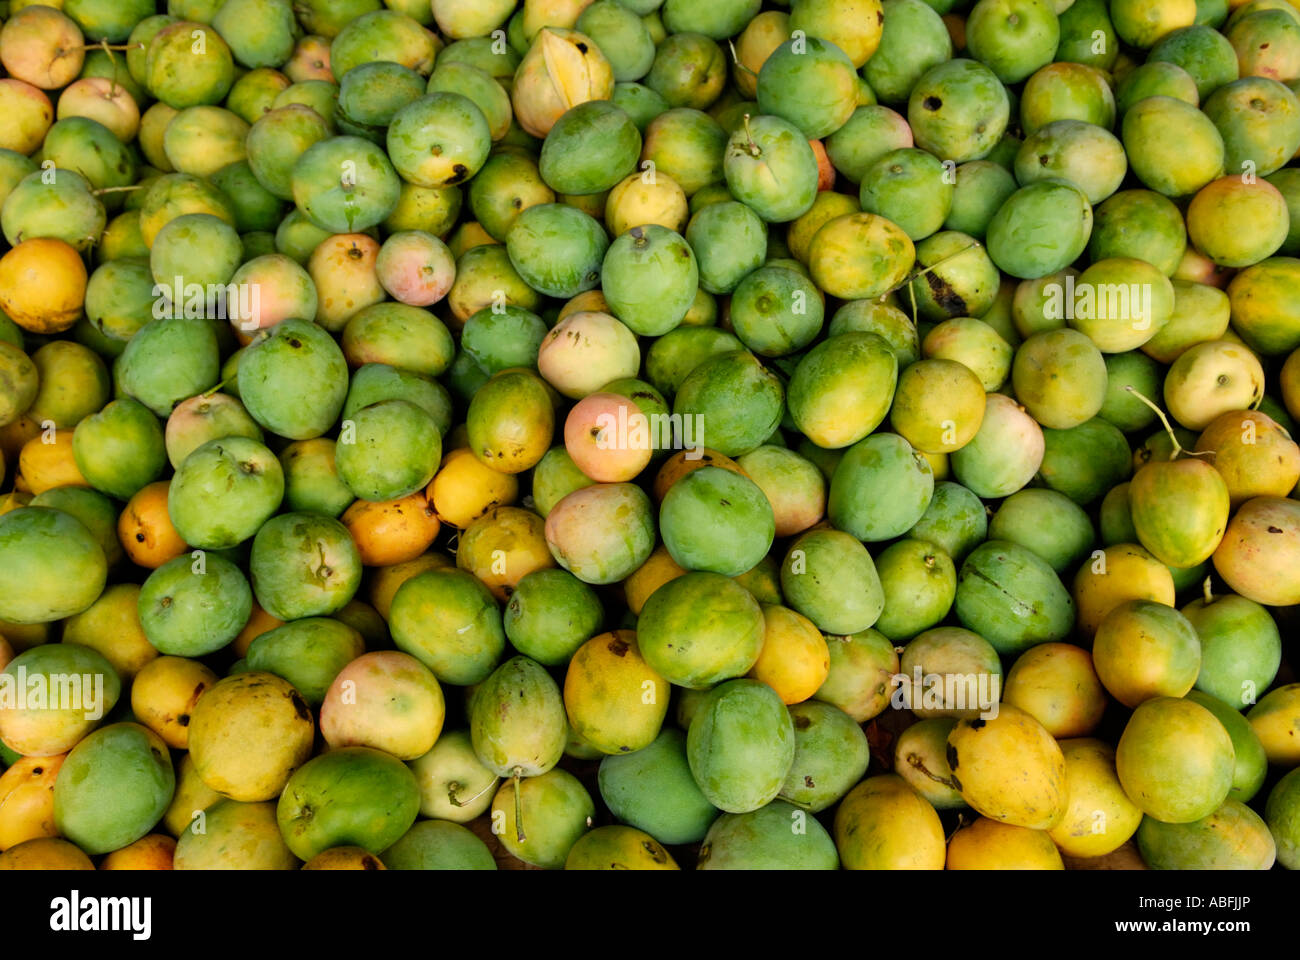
x: 1009, y: 768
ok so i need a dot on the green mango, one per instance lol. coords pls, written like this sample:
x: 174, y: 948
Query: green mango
x: 351, y: 796
x: 547, y: 816
x: 919, y: 582
x: 120, y: 448
x: 958, y: 110
x: 92, y: 508
x: 653, y: 790
x: 1048, y: 523
x: 517, y: 720
x: 304, y: 565
x: 428, y: 618
x: 778, y: 836
x: 1282, y: 814
x: 438, y: 845
x: 293, y: 379
x: 842, y: 388
x: 1250, y: 765
x: 308, y: 653
x: 1241, y: 648
x: 741, y: 745
x: 119, y: 783
x: 716, y: 520
x: 830, y: 578
x: 1233, y: 837
x: 1012, y: 597
x: 167, y: 360
x: 194, y: 605
x: 880, y: 488
x: 830, y: 756
x: 590, y: 149
x: 699, y: 629
x: 1085, y: 461
x: 955, y: 520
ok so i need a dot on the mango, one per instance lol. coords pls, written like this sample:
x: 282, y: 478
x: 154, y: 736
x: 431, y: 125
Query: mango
x: 884, y: 824
x: 741, y: 745
x: 1009, y: 768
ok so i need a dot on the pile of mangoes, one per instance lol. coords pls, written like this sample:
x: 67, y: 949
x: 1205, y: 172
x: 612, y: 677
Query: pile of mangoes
x: 649, y: 434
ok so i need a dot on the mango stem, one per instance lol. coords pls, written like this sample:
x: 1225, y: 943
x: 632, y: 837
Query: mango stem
x: 454, y: 786
x: 1209, y: 594
x: 754, y: 150
x: 918, y: 764
x: 519, y: 811
x: 1173, y: 438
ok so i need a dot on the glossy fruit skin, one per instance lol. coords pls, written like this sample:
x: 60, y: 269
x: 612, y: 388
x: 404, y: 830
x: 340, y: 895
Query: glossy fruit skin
x: 591, y: 148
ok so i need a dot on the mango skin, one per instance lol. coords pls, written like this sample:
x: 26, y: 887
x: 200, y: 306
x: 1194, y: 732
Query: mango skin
x: 778, y: 836
x: 438, y: 845
x: 990, y: 845
x: 1233, y: 837
x: 700, y: 629
x: 114, y: 786
x: 248, y: 733
x: 1241, y: 647
x: 741, y: 745
x: 1012, y: 598
x: 352, y: 795
x: 1282, y: 814
x: 1145, y: 649
x: 426, y: 614
x: 920, y: 759
x: 884, y: 824
x: 51, y: 566
x: 653, y: 789
x: 36, y: 732
x: 842, y: 388
x: 27, y: 800
x: 1100, y: 817
x: 1276, y: 721
x: 234, y: 836
x: 45, y: 853
x: 557, y: 811
x: 1057, y: 684
x: 344, y: 858
x: 830, y: 756
x: 527, y: 740
x: 861, y: 677
x: 1175, y: 760
x: 1192, y: 491
x: 614, y: 699
x: 618, y: 848
x: 1257, y: 563
x: 1250, y: 759
x: 1010, y: 769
